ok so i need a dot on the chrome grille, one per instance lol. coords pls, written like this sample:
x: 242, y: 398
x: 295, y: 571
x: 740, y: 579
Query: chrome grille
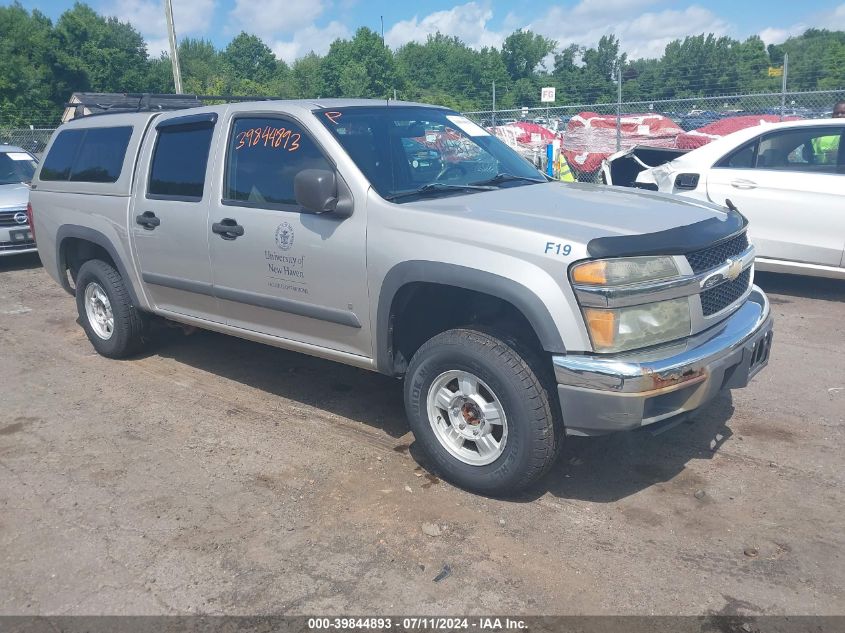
x: 7, y: 217
x: 713, y: 256
x: 720, y: 297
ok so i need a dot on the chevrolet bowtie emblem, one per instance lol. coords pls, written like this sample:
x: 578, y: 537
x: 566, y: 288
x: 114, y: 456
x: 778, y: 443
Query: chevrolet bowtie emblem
x: 734, y: 268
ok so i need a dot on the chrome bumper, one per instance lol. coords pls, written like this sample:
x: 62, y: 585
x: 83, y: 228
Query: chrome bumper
x: 22, y: 242
x: 602, y: 394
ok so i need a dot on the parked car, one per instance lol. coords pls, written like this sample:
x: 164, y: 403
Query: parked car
x: 697, y: 118
x: 17, y: 167
x: 517, y: 310
x: 788, y: 179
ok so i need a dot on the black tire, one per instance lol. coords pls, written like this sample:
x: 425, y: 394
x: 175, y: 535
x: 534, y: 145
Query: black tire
x: 531, y: 446
x: 127, y: 336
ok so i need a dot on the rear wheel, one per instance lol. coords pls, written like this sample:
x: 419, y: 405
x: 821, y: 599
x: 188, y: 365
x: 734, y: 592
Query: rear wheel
x: 112, y: 323
x: 480, y: 412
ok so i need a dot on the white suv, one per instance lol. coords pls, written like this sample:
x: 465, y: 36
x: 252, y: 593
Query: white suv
x: 788, y: 179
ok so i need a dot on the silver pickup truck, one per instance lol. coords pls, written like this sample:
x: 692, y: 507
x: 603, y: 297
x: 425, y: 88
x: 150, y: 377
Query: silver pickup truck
x: 405, y: 239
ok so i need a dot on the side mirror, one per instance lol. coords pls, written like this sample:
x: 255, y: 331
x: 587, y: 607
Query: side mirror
x: 316, y: 190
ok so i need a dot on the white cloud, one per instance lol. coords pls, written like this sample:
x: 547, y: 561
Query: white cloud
x: 836, y: 21
x: 268, y: 18
x: 466, y: 21
x: 648, y: 35
x: 833, y: 20
x: 311, y: 38
x: 587, y: 8
x: 157, y: 46
x: 190, y: 17
x: 640, y: 34
x: 778, y: 36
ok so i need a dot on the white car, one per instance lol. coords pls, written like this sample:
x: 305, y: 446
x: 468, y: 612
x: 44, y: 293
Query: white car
x: 787, y: 178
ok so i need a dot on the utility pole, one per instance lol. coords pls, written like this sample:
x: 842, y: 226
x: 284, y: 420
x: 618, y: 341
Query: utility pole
x: 619, y: 109
x: 382, y: 29
x: 493, y: 118
x: 174, y: 53
x: 783, y: 85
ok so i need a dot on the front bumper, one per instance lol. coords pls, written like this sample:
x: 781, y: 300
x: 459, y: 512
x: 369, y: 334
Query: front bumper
x: 15, y: 240
x: 602, y: 394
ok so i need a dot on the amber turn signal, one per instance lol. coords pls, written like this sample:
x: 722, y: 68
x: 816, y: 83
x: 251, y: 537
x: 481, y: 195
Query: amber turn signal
x: 602, y: 327
x: 594, y: 273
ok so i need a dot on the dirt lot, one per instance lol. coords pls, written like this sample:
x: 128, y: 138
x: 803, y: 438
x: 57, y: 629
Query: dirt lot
x: 215, y: 475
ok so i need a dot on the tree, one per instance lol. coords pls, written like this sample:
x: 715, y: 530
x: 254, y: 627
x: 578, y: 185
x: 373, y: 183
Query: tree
x: 99, y: 54
x: 202, y: 68
x: 428, y: 72
x: 26, y: 74
x: 361, y: 67
x: 249, y: 64
x: 813, y: 59
x: 523, y: 51
x: 306, y: 76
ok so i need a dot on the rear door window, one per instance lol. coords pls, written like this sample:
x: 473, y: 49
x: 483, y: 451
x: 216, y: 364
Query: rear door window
x: 90, y: 155
x: 59, y: 160
x: 809, y: 149
x: 180, y: 159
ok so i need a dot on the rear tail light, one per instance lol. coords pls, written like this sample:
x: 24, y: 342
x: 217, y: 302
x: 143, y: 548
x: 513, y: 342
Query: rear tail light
x: 30, y: 219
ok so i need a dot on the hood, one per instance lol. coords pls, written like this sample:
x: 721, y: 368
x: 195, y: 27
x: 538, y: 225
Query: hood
x: 14, y: 196
x: 578, y: 211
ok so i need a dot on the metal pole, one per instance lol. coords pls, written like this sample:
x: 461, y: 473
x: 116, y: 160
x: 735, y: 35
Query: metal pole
x: 619, y: 109
x: 493, y: 118
x: 783, y: 85
x: 174, y: 53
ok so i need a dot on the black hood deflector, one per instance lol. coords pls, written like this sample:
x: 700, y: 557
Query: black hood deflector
x: 675, y: 241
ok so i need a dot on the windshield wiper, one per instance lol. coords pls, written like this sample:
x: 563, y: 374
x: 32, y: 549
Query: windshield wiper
x: 505, y: 177
x: 436, y: 188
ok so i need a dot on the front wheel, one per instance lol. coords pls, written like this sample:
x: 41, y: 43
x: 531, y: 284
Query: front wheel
x: 480, y: 412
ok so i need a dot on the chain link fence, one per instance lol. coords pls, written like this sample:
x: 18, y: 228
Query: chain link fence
x: 590, y: 132
x: 33, y: 140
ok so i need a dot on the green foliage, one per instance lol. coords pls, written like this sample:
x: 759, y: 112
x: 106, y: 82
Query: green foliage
x: 249, y: 66
x: 93, y: 51
x: 523, y: 51
x: 25, y: 74
x: 360, y: 67
x: 44, y: 63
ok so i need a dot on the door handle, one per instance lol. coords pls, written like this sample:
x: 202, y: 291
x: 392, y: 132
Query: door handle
x: 227, y: 228
x: 148, y: 220
x: 742, y: 183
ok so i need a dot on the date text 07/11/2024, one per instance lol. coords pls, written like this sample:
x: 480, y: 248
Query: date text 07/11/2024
x: 417, y: 623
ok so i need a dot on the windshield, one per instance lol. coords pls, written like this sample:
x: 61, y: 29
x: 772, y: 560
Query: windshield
x: 16, y: 167
x: 408, y: 150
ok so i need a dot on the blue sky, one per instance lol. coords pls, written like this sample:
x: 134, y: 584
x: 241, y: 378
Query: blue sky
x: 294, y: 27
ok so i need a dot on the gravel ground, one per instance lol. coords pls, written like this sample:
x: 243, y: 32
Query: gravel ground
x: 214, y: 475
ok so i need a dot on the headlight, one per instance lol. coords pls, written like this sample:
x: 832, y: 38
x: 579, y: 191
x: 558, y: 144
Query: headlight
x: 620, y: 329
x: 623, y: 271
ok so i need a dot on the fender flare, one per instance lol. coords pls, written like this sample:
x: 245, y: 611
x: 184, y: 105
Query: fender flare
x: 518, y: 295
x: 95, y: 237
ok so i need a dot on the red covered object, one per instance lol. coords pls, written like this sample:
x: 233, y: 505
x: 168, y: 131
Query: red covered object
x: 529, y: 128
x: 723, y: 127
x: 591, y: 137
